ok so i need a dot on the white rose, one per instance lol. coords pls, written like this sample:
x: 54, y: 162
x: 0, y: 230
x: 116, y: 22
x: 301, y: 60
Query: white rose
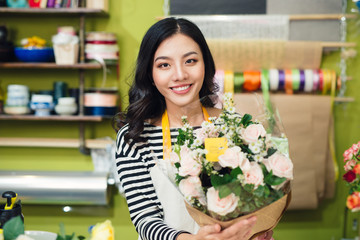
x: 234, y: 157
x: 189, y: 167
x: 252, y: 133
x: 280, y: 165
x: 254, y: 175
x: 221, y: 206
x: 191, y: 187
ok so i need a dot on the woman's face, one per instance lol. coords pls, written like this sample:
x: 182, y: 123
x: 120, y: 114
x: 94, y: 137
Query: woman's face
x: 178, y: 70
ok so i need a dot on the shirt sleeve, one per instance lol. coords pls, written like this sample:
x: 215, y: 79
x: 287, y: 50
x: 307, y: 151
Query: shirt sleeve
x: 146, y: 212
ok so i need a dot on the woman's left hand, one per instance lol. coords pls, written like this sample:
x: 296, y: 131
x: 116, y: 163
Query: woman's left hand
x: 265, y: 236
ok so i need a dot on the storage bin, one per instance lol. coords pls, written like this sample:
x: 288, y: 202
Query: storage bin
x: 66, y: 53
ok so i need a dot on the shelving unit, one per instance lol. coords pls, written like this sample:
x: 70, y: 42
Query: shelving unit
x: 83, y: 144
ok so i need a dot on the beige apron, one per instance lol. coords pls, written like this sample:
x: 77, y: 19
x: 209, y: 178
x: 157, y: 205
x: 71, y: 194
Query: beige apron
x: 175, y: 214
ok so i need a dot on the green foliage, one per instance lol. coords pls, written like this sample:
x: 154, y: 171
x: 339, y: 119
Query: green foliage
x: 13, y: 228
x: 246, y: 120
x: 62, y: 234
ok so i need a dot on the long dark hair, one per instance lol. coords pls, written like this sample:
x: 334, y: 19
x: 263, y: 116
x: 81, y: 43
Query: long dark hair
x: 145, y: 101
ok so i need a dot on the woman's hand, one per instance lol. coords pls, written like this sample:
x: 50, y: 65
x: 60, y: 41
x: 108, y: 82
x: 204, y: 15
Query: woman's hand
x: 265, y: 236
x: 238, y: 231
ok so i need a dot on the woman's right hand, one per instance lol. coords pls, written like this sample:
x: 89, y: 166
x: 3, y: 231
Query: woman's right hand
x: 238, y: 231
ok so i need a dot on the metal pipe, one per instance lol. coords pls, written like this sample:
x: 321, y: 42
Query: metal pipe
x: 71, y: 188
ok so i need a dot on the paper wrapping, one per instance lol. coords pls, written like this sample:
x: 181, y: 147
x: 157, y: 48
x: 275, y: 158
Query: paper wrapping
x: 242, y: 55
x: 306, y: 119
x: 267, y: 217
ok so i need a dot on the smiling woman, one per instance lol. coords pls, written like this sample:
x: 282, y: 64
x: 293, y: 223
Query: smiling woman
x: 173, y: 77
x: 178, y: 74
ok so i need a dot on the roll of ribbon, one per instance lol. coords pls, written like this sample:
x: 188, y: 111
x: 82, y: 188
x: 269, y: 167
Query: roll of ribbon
x: 315, y: 80
x: 229, y: 82
x: 288, y: 82
x: 281, y: 80
x: 295, y: 79
x: 252, y: 80
x: 238, y: 81
x: 308, y: 80
x: 274, y: 79
x: 327, y: 81
x: 302, y: 80
x: 321, y: 80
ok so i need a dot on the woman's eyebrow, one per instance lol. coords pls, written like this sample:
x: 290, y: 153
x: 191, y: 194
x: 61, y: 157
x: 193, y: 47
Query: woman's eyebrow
x: 190, y: 53
x: 185, y: 55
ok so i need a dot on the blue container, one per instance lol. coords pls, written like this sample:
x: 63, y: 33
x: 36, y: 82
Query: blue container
x: 101, y: 111
x: 34, y: 54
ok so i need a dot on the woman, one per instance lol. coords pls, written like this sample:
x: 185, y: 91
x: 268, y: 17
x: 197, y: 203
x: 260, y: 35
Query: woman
x: 173, y: 78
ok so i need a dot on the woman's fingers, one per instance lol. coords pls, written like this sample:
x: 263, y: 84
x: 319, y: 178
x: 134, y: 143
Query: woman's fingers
x: 266, y: 236
x: 240, y: 230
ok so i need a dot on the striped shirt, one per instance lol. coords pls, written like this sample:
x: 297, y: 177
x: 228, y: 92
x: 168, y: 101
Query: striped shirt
x: 134, y: 162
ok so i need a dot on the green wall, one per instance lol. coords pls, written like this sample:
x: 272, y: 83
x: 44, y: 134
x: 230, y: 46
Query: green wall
x: 129, y: 19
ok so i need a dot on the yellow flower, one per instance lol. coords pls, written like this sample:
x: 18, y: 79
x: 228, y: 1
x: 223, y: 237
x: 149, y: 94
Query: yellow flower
x: 103, y: 231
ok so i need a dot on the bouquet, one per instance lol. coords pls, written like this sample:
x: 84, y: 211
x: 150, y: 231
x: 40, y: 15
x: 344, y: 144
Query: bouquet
x: 232, y: 167
x: 352, y: 168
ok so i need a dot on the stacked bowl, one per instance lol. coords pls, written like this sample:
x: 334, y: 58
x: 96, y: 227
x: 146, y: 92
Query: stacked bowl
x: 17, y: 101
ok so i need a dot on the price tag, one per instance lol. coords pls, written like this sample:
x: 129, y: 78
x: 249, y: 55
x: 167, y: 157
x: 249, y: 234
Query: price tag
x: 215, y: 148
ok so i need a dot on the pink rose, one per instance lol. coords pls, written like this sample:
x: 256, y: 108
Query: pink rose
x: 348, y: 154
x: 280, y: 165
x: 188, y: 166
x: 221, y: 206
x: 254, y: 175
x: 174, y: 157
x: 233, y: 158
x: 191, y: 187
x: 349, y: 165
x: 355, y: 148
x: 252, y: 133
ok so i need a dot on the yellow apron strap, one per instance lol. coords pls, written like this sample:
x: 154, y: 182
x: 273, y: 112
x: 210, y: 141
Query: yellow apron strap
x: 166, y: 132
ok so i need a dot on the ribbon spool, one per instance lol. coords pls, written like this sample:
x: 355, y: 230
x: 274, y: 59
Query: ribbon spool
x: 288, y: 80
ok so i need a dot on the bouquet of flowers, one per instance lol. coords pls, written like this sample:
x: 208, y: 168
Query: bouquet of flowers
x: 232, y: 167
x: 352, y: 168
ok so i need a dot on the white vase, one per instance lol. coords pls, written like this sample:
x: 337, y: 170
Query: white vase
x: 66, y: 106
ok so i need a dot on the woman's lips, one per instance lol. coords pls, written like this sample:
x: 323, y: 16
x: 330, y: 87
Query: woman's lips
x: 181, y: 89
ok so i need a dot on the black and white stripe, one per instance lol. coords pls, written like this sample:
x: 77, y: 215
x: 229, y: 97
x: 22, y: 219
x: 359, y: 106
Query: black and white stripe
x: 134, y: 162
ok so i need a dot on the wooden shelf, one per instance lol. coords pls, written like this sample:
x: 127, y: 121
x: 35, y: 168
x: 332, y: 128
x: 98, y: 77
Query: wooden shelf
x: 49, y: 65
x: 57, y: 11
x: 53, y: 142
x: 293, y: 17
x: 52, y: 118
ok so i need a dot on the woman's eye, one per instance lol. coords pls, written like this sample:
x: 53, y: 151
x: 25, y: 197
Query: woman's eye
x: 191, y: 61
x: 164, y: 65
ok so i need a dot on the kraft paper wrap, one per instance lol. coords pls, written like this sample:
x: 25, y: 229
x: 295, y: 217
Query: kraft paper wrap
x: 306, y: 120
x: 267, y: 217
x: 242, y: 55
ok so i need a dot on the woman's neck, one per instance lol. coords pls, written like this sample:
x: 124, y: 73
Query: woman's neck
x: 193, y: 113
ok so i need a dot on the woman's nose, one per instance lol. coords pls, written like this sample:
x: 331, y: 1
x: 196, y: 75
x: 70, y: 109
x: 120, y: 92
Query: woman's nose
x: 180, y: 73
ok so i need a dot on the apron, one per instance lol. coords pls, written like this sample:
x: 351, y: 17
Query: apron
x: 175, y: 214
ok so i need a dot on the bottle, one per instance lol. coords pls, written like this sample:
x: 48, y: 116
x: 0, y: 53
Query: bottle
x: 11, y: 208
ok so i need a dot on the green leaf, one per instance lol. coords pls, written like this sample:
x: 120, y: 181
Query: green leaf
x: 235, y: 172
x: 13, y: 228
x: 270, y: 152
x: 224, y: 191
x: 273, y: 180
x: 260, y: 191
x: 217, y: 180
x: 246, y: 120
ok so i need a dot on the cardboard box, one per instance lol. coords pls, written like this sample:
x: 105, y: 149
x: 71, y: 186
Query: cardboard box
x: 98, y: 4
